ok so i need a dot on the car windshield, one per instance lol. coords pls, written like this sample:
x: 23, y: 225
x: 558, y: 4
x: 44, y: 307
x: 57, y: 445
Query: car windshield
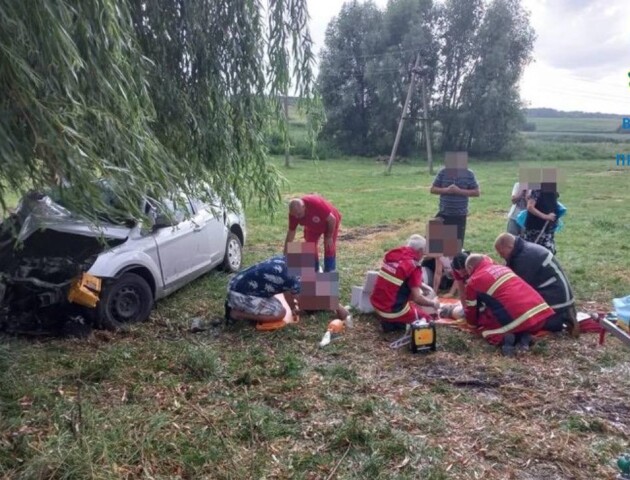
x: 117, y: 215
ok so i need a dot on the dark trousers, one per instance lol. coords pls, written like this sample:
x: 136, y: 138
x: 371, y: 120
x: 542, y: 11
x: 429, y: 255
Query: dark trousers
x: 457, y: 220
x: 554, y: 323
x: 563, y: 317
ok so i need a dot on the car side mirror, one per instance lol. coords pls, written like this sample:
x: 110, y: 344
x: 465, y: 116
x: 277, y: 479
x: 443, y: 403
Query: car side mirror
x: 162, y: 220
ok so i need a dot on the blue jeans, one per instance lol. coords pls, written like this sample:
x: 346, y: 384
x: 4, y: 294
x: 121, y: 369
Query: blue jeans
x: 330, y: 264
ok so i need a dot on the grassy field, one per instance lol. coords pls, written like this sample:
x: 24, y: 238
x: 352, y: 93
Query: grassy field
x: 231, y: 403
x: 577, y: 130
x: 576, y: 125
x: 582, y: 137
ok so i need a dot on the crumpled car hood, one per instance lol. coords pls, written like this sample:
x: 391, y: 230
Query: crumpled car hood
x: 42, y: 213
x: 53, y: 248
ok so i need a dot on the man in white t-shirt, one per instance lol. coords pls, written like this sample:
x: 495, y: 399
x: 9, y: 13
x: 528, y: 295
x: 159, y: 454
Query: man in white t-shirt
x: 519, y: 203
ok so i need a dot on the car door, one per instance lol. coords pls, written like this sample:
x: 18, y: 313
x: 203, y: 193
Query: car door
x: 178, y: 245
x: 214, y: 233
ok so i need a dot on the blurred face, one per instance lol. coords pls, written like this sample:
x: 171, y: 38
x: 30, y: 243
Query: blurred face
x: 456, y: 163
x: 298, y: 210
x: 442, y: 239
x: 301, y: 259
x: 318, y: 291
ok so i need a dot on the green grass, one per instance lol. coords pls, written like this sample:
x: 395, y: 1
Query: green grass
x: 11, y: 200
x: 593, y: 141
x: 233, y: 403
x: 595, y: 192
x: 568, y: 130
x: 576, y: 125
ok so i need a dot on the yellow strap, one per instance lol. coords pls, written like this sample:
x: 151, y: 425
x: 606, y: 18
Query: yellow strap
x: 471, y: 303
x: 515, y: 323
x: 500, y: 282
x: 390, y: 278
x: 404, y: 311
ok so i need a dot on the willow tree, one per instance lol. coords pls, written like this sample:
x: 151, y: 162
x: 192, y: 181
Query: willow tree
x: 152, y: 96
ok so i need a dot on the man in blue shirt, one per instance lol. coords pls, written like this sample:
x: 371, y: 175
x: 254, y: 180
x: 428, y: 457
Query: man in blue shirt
x: 251, y: 292
x: 454, y: 184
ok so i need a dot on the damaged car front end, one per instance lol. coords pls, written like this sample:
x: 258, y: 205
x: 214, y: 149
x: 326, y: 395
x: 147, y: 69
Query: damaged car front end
x: 45, y: 254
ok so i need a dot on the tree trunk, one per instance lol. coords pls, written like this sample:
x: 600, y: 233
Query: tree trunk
x: 287, y: 158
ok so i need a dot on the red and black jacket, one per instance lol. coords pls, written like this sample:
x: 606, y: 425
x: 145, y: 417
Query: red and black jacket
x: 511, y: 305
x: 399, y: 274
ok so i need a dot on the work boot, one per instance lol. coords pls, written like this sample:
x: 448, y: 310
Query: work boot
x: 507, y: 347
x: 524, y: 342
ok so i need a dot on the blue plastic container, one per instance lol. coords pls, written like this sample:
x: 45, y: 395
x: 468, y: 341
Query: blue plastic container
x: 622, y: 308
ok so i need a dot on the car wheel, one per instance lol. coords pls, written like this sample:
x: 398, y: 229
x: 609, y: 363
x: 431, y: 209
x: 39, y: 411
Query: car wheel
x: 128, y: 300
x: 233, y: 254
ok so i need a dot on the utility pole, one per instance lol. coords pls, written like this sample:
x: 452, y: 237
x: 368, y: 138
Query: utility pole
x: 427, y: 130
x: 287, y: 160
x: 412, y: 82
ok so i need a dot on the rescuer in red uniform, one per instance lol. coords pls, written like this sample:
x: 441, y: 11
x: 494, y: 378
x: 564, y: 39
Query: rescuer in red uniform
x: 502, y: 305
x: 397, y: 294
x: 318, y: 217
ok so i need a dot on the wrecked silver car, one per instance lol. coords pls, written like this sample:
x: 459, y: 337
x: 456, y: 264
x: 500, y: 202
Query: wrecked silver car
x: 59, y: 272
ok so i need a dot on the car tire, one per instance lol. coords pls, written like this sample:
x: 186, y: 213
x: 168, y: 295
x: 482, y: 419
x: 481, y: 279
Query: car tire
x: 233, y: 258
x: 127, y: 300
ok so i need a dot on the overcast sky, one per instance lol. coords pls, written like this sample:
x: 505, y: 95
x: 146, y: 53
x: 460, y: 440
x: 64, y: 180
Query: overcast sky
x: 581, y: 54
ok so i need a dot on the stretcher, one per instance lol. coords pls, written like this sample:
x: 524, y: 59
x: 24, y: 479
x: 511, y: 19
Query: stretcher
x: 288, y: 319
x: 606, y: 322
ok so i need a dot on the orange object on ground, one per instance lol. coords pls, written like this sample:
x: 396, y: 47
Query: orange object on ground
x: 459, y: 324
x: 268, y: 326
x: 288, y: 318
x: 336, y: 326
x: 586, y: 326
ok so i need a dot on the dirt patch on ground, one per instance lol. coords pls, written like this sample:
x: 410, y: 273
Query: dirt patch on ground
x: 352, y: 234
x: 541, y: 471
x: 359, y: 233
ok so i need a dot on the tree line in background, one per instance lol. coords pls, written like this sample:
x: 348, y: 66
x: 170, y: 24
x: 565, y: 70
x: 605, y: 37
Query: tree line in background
x: 553, y: 113
x: 471, y: 56
x: 156, y: 97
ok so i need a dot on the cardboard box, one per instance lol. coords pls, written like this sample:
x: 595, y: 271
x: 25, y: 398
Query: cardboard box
x: 361, y: 300
x: 370, y: 281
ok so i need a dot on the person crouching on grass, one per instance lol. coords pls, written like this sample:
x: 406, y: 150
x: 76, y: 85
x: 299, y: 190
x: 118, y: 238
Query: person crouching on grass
x: 398, y: 295
x: 503, y: 307
x: 251, y: 292
x: 542, y: 271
